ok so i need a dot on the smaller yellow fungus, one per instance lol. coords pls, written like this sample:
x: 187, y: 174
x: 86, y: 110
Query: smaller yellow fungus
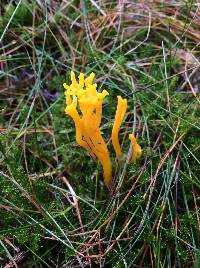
x: 137, y: 151
x: 119, y: 116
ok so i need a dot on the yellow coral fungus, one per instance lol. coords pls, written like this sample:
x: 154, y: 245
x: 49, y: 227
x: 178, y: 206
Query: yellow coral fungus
x: 137, y: 151
x: 88, y: 135
x: 120, y: 112
x: 83, y: 96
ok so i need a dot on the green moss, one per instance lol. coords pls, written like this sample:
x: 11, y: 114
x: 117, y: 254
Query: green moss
x: 22, y: 16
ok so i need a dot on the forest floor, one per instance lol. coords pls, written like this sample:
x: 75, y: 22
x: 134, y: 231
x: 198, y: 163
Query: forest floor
x: 55, y: 210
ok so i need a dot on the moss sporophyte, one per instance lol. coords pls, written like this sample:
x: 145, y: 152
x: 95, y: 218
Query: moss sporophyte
x: 88, y: 135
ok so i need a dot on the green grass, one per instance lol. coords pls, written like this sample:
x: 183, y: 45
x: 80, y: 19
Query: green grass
x: 55, y: 210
